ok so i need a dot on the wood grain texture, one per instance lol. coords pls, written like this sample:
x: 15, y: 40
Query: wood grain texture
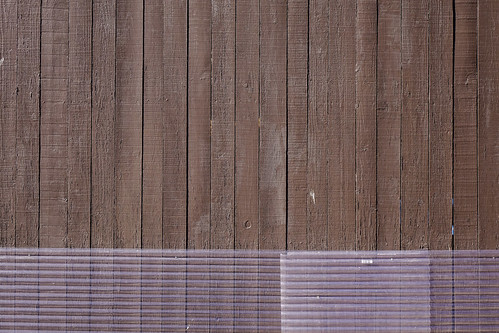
x: 272, y: 158
x: 8, y: 105
x: 440, y: 69
x: 28, y: 123
x: 465, y: 126
x: 247, y: 128
x: 152, y: 182
x: 488, y: 124
x: 297, y: 145
x: 414, y: 138
x: 341, y: 102
x: 79, y: 123
x: 128, y: 134
x: 199, y: 125
x: 365, y: 122
x: 300, y: 124
x: 175, y: 125
x: 318, y: 124
x: 54, y: 123
x: 222, y: 120
x: 388, y: 123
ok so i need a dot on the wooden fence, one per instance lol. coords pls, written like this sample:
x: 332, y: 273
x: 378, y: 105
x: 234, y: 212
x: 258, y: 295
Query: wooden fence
x: 250, y: 124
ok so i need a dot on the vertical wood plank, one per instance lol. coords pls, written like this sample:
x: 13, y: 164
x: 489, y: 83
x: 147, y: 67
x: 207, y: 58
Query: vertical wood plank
x: 341, y: 185
x: 79, y: 123
x: 317, y: 166
x: 152, y: 184
x: 175, y: 124
x: 272, y: 161
x: 103, y: 124
x: 297, y: 56
x: 27, y: 123
x: 414, y: 173
x: 247, y: 148
x: 365, y: 86
x: 247, y: 129
x: 488, y: 124
x: 222, y: 115
x: 54, y: 123
x: 388, y: 121
x: 440, y: 120
x: 128, y: 135
x: 8, y: 92
x: 199, y: 124
x: 465, y: 126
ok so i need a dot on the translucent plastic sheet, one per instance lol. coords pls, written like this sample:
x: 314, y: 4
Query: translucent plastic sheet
x: 248, y: 291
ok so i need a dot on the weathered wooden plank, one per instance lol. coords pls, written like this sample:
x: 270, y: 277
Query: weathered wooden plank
x: 27, y: 123
x: 222, y: 120
x: 388, y: 121
x: 365, y: 125
x: 298, y: 26
x: 175, y: 125
x: 199, y: 124
x: 440, y: 120
x: 247, y: 128
x: 341, y: 184
x: 414, y: 144
x: 152, y: 183
x: 465, y: 126
x: 318, y: 124
x: 488, y: 124
x: 103, y: 191
x: 8, y: 93
x: 79, y: 123
x: 54, y: 125
x: 272, y: 158
x: 128, y: 125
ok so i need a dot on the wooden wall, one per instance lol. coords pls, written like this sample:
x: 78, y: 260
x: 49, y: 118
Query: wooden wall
x: 250, y: 124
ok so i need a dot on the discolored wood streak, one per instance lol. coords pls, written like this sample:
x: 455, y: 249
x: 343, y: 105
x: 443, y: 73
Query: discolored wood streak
x: 440, y: 69
x: 341, y: 104
x: 297, y: 123
x: 54, y: 123
x: 272, y: 154
x: 465, y: 126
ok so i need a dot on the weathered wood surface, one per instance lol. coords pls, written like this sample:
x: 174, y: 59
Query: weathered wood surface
x: 348, y: 125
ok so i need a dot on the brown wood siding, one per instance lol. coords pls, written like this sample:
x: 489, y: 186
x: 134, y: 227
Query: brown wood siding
x: 340, y: 125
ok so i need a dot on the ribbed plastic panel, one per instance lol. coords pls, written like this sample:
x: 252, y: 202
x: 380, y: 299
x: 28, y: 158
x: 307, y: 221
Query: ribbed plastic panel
x: 245, y: 291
